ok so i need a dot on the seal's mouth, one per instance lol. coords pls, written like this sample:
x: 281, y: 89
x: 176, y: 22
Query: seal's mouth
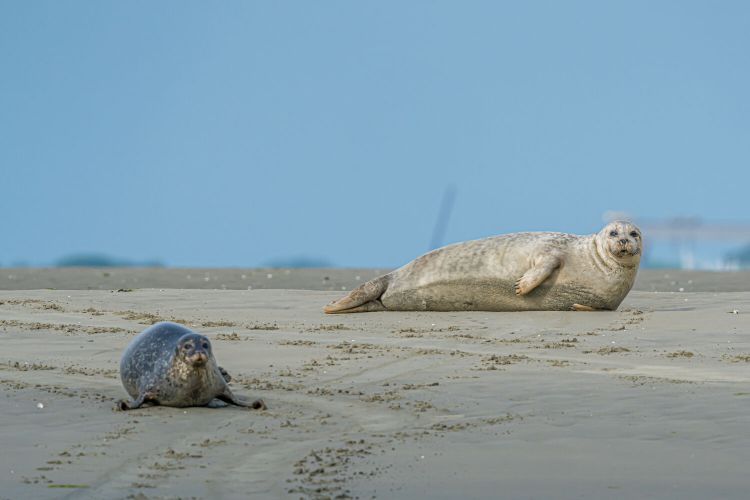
x: 624, y: 249
x: 627, y: 251
x: 197, y: 359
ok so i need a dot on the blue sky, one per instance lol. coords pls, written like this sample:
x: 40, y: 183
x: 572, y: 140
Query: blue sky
x: 237, y: 133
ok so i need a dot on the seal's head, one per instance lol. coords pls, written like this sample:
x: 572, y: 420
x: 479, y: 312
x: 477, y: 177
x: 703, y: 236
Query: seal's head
x: 621, y: 240
x: 194, y: 349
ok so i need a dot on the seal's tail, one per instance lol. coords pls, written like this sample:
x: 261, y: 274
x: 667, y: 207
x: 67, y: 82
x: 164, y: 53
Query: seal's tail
x: 364, y: 298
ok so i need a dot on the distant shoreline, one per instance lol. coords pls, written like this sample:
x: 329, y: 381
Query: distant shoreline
x: 126, y: 278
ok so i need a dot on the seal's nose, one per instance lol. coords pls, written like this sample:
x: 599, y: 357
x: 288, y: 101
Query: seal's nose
x: 199, y: 358
x: 623, y: 241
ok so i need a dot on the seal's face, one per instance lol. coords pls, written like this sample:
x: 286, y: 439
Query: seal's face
x: 194, y: 349
x: 622, y: 240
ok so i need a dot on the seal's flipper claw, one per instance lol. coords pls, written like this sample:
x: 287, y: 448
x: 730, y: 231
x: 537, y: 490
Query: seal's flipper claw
x: 579, y: 307
x: 526, y: 283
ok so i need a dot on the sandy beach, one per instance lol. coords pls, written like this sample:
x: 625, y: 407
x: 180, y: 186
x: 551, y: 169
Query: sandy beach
x: 650, y: 401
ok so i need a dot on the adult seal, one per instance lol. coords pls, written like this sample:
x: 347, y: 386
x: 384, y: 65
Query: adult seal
x: 168, y: 364
x: 512, y: 272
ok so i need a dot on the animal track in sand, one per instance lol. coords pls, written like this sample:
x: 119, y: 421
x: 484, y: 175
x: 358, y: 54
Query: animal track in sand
x: 638, y: 380
x: 77, y: 452
x: 112, y: 373
x: 610, y: 350
x: 94, y: 312
x: 35, y: 303
x: 58, y: 390
x: 262, y: 326
x: 381, y: 397
x: 362, y: 348
x: 481, y: 422
x: 145, y: 318
x: 411, y: 387
x: 216, y: 324
x: 737, y: 358
x: 561, y: 344
x: 65, y: 328
x: 558, y: 363
x: 626, y: 317
x: 330, y: 328
x: 680, y: 354
x: 322, y: 473
x: 24, y: 367
x: 267, y: 385
x: 416, y: 330
x: 495, y: 361
x: 298, y: 342
x: 68, y: 369
x: 231, y: 337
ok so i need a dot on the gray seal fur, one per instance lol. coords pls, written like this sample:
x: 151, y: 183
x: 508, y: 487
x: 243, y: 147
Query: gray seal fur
x: 512, y: 272
x: 168, y: 364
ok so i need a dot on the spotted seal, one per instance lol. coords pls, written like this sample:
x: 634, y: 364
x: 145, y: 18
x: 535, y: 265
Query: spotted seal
x: 168, y: 364
x: 512, y: 272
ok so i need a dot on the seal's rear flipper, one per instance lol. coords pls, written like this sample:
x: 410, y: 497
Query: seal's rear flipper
x: 364, y: 298
x: 372, y: 306
x: 125, y: 405
x: 228, y: 397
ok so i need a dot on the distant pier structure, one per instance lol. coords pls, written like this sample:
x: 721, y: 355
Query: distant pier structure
x: 688, y: 234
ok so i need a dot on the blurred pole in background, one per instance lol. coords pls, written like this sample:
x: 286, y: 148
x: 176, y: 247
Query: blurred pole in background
x: 441, y: 225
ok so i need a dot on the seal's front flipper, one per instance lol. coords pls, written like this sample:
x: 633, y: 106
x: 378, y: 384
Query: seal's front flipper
x: 228, y: 397
x: 539, y: 272
x: 366, y: 294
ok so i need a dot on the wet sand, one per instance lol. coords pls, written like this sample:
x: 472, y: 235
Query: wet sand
x: 650, y: 401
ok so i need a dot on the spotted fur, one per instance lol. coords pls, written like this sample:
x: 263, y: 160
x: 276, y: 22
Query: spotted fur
x: 512, y: 272
x: 168, y: 364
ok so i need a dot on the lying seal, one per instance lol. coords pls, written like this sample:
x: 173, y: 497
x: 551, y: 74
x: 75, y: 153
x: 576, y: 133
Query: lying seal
x: 512, y: 272
x: 170, y: 365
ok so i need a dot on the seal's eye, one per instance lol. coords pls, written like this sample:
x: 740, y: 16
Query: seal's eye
x: 634, y: 234
x: 613, y: 233
x: 187, y: 347
x: 205, y: 345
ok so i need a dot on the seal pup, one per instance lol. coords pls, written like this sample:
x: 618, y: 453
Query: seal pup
x: 511, y: 272
x: 170, y: 365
